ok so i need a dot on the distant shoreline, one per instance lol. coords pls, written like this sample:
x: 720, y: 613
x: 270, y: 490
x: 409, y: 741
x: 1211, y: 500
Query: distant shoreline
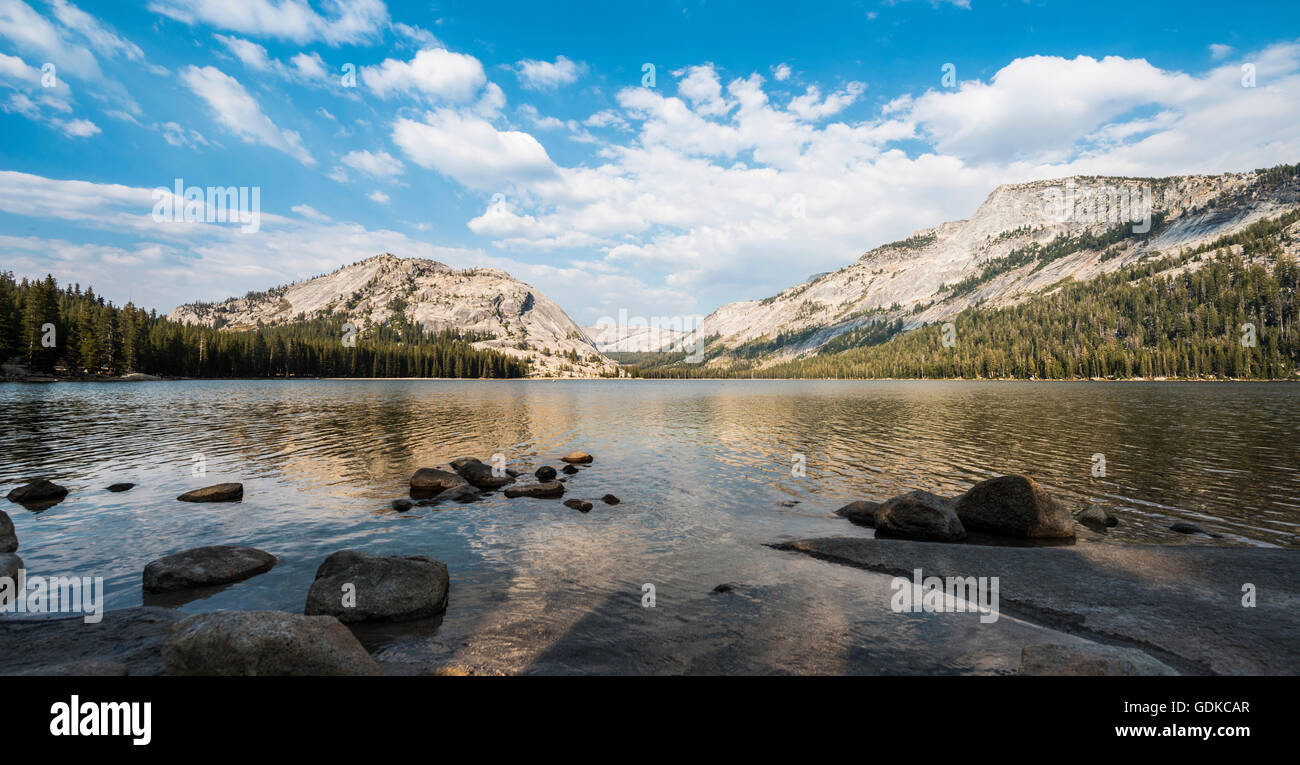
x: 139, y: 378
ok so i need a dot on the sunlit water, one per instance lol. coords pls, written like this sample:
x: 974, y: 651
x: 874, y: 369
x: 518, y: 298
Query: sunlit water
x: 704, y: 469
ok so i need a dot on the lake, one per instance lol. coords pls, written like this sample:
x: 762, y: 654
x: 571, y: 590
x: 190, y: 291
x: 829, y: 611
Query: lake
x: 708, y: 476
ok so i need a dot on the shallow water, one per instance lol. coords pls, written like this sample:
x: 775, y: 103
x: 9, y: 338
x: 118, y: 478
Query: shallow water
x: 704, y: 469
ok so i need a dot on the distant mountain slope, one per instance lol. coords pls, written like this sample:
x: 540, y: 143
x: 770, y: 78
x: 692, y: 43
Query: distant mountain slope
x: 1021, y: 241
x: 511, y: 316
x: 610, y: 338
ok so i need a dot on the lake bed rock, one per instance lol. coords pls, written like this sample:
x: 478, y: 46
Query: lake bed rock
x: 578, y: 504
x: 483, y: 476
x: 264, y: 643
x: 10, y: 565
x: 861, y: 512
x: 206, y: 566
x: 1183, y: 527
x: 120, y: 487
x: 1097, y: 517
x: 545, y: 473
x: 38, y: 491
x: 1014, y: 505
x: 569, y: 470
x: 546, y: 490
x: 1089, y: 660
x: 610, y: 499
x: 919, y: 515
x: 384, y: 588
x: 222, y: 492
x: 435, y: 480
x: 401, y: 505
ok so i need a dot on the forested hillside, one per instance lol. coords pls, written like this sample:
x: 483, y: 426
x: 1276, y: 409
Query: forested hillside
x: 92, y: 336
x: 1179, y: 316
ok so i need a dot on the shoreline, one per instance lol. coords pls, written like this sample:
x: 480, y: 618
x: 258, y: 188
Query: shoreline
x: 47, y: 379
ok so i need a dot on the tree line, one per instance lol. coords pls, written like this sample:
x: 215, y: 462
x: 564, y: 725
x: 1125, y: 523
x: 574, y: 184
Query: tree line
x: 49, y: 327
x: 1231, y: 317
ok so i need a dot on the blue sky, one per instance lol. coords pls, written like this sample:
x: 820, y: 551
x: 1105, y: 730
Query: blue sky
x: 777, y: 140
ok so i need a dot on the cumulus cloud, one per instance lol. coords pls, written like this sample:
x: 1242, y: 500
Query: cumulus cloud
x: 547, y: 75
x: 472, y: 151
x: 240, y: 113
x: 379, y: 164
x: 433, y: 73
x: 356, y: 21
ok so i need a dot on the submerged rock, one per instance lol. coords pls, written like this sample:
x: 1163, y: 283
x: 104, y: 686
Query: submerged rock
x: 1089, y: 660
x: 1097, y: 516
x: 222, y: 492
x: 545, y: 473
x: 919, y: 515
x: 483, y: 476
x: 1182, y: 527
x: 569, y: 470
x: 726, y: 587
x: 247, y: 643
x: 578, y: 457
x: 578, y: 504
x: 862, y: 512
x: 85, y: 668
x: 1014, y: 505
x: 129, y: 636
x: 8, y: 537
x: 120, y: 487
x: 401, y: 505
x: 358, y: 587
x: 206, y: 566
x: 547, y: 490
x: 38, y: 491
x: 610, y: 499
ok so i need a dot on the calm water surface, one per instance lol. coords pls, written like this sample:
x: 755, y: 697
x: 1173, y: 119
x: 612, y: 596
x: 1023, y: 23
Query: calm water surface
x: 704, y: 471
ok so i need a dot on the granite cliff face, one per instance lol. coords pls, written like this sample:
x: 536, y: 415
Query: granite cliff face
x: 520, y: 320
x: 1024, y: 239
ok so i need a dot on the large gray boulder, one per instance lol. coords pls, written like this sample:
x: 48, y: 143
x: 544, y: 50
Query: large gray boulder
x: 205, y: 566
x: 1014, y: 505
x: 435, y: 480
x: 1089, y: 660
x: 919, y: 515
x: 357, y: 587
x: 547, y: 490
x: 8, y: 537
x: 862, y: 512
x: 221, y: 492
x: 245, y: 643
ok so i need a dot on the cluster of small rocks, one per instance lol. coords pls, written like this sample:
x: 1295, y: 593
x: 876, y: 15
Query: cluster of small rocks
x: 465, y: 479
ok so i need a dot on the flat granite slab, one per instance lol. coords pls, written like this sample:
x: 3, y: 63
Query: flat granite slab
x: 1182, y: 605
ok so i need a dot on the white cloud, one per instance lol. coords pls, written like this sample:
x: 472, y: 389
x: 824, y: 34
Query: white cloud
x: 377, y: 165
x: 1220, y: 51
x: 813, y: 108
x: 433, y: 73
x: 472, y: 151
x: 79, y: 128
x: 101, y: 38
x: 68, y: 45
x: 547, y: 75
x: 240, y: 113
x: 379, y: 197
x: 781, y: 72
x: 352, y: 22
